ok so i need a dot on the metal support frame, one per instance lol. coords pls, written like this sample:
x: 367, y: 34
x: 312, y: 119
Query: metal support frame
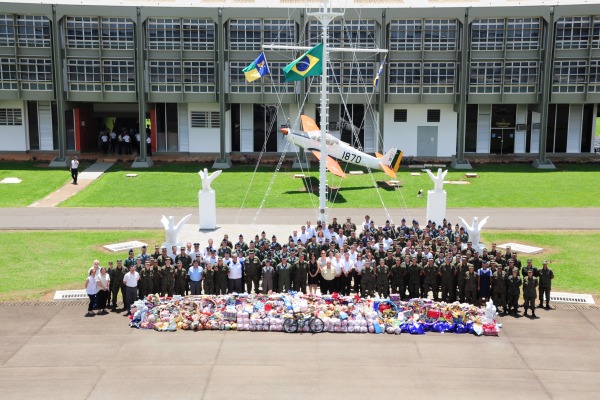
x: 57, y: 67
x: 222, y: 162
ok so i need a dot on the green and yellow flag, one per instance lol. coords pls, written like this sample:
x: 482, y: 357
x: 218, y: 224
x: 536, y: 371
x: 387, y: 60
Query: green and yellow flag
x: 309, y: 64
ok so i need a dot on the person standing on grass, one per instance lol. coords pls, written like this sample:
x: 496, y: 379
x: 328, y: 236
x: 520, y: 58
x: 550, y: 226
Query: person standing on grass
x: 130, y: 280
x: 74, y: 169
x: 92, y: 291
x: 103, y: 283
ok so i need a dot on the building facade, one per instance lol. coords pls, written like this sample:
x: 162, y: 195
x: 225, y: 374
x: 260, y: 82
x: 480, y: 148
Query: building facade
x: 460, y: 78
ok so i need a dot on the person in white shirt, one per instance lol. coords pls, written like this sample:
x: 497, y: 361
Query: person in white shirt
x: 341, y: 238
x: 337, y: 264
x: 310, y: 231
x: 103, y: 284
x: 347, y: 267
x: 74, y: 169
x: 295, y: 237
x: 131, y: 281
x: 358, y: 267
x: 235, y: 275
x: 92, y: 291
x: 304, y: 238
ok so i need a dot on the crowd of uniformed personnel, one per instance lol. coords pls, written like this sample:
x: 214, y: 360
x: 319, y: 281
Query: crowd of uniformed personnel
x: 407, y: 260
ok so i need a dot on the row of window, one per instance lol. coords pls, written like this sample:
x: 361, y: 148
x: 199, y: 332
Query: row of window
x: 573, y: 76
x: 510, y: 77
x: 578, y: 32
x: 428, y: 77
x: 187, y: 76
x: 205, y: 119
x: 31, y: 73
x: 11, y: 116
x: 24, y: 30
x: 99, y: 32
x: 506, y: 33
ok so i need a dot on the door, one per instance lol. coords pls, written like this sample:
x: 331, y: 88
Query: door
x: 427, y: 141
x: 502, y: 141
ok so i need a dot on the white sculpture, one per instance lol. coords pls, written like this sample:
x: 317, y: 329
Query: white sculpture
x: 172, y: 230
x: 438, y: 181
x: 207, y: 203
x: 207, y: 179
x: 474, y: 230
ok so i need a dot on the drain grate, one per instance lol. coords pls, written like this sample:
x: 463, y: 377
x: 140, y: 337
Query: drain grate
x: 62, y: 295
x: 562, y: 297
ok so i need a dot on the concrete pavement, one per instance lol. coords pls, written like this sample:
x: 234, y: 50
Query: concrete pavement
x: 149, y: 218
x: 53, y: 352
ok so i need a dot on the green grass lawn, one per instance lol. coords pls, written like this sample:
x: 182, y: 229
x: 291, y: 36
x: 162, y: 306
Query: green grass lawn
x: 60, y: 260
x: 177, y: 185
x: 57, y: 260
x: 37, y: 182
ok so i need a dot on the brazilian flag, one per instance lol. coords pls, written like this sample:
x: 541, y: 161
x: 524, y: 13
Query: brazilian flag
x: 309, y: 64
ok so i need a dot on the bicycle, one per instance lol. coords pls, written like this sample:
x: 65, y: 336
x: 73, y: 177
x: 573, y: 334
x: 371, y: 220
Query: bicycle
x: 315, y: 325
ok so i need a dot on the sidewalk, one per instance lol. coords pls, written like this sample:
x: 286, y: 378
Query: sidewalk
x: 86, y: 177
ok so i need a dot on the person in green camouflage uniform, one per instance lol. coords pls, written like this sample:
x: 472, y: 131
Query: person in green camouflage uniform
x: 397, y: 272
x: 300, y: 273
x: 382, y: 279
x: 430, y: 283
x: 146, y: 283
x: 470, y: 286
x: 545, y: 284
x: 530, y: 284
x: 180, y: 279
x: 157, y: 284
x: 414, y: 277
x: 209, y: 280
x: 220, y: 275
x: 167, y: 275
x: 368, y: 280
x: 116, y: 277
x: 513, y: 284
x: 461, y: 269
x: 499, y: 288
x: 252, y: 272
x: 447, y: 273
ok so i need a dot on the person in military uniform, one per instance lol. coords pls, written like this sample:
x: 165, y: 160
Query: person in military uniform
x: 300, y: 274
x: 116, y: 276
x: 528, y: 267
x: 470, y: 287
x: 499, y: 288
x: 447, y: 273
x: 284, y: 273
x: 157, y: 279
x: 530, y: 284
x: 130, y: 260
x: 545, y: 283
x: 461, y: 269
x: 146, y: 284
x: 252, y: 271
x: 397, y: 272
x: 209, y: 279
x: 513, y: 284
x: 110, y: 282
x: 180, y: 279
x: 368, y: 280
x: 267, y: 277
x: 382, y: 279
x: 414, y: 272
x: 167, y: 275
x: 163, y: 257
x: 430, y: 283
x: 220, y: 275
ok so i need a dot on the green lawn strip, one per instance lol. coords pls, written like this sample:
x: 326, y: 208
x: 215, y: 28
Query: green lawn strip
x: 177, y: 185
x: 572, y: 259
x: 37, y: 182
x: 52, y: 260
x: 60, y: 259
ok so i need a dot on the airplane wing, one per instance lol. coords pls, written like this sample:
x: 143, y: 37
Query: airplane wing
x: 309, y: 124
x: 331, y: 164
x: 390, y: 172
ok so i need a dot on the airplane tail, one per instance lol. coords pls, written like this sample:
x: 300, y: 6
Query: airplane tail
x: 390, y: 162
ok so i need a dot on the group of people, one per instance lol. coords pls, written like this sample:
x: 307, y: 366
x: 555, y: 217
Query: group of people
x: 123, y: 140
x: 408, y: 260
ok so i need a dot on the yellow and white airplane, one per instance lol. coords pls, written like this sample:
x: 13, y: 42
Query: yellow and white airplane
x: 310, y: 140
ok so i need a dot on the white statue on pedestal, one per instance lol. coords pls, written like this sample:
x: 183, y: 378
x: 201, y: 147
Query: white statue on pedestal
x: 474, y: 231
x: 436, y: 198
x: 172, y: 230
x: 207, y: 203
x: 438, y: 181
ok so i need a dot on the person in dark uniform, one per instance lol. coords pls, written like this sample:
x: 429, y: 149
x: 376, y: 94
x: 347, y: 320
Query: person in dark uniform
x: 470, y: 288
x: 116, y: 277
x: 447, y: 273
x: 382, y: 279
x: 514, y: 283
x: 484, y: 283
x: 252, y: 272
x: 300, y: 274
x: 209, y: 279
x: 267, y: 277
x: 530, y: 284
x: 180, y: 279
x: 146, y: 284
x: 220, y: 275
x: 430, y: 271
x: 167, y: 274
x: 545, y: 283
x: 313, y: 275
x: 414, y: 272
x: 499, y: 292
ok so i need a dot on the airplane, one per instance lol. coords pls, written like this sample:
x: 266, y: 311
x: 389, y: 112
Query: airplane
x: 310, y: 140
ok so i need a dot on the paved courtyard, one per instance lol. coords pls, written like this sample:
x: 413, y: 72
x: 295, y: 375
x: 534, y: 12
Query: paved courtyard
x: 53, y: 352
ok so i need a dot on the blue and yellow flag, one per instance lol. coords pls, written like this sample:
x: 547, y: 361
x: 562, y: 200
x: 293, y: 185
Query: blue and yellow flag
x: 309, y: 64
x: 258, y: 68
x: 376, y: 80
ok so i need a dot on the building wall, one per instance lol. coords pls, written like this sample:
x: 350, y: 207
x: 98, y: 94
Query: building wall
x: 13, y: 136
x: 202, y: 140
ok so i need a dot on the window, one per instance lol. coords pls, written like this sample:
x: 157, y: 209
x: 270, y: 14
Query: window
x: 11, y: 116
x: 279, y: 31
x: 117, y: 33
x: 570, y: 76
x: 335, y: 31
x: 205, y: 119
x: 82, y: 33
x: 438, y: 77
x: 523, y: 33
x: 118, y: 75
x: 405, y: 77
x: 237, y: 80
x: 400, y: 115
x: 440, y: 34
x: 83, y: 75
x: 334, y: 79
x: 487, y: 34
x: 360, y: 33
x: 596, y: 33
x: 485, y: 77
x: 521, y: 76
x: 7, y: 30
x: 164, y: 33
x: 165, y: 76
x: 199, y: 76
x: 33, y: 31
x: 245, y: 34
x: 573, y: 33
x: 357, y: 76
x: 594, y: 76
x: 433, y: 115
x: 275, y: 81
x: 198, y: 34
x: 35, y: 73
x: 406, y: 34
x: 8, y: 74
